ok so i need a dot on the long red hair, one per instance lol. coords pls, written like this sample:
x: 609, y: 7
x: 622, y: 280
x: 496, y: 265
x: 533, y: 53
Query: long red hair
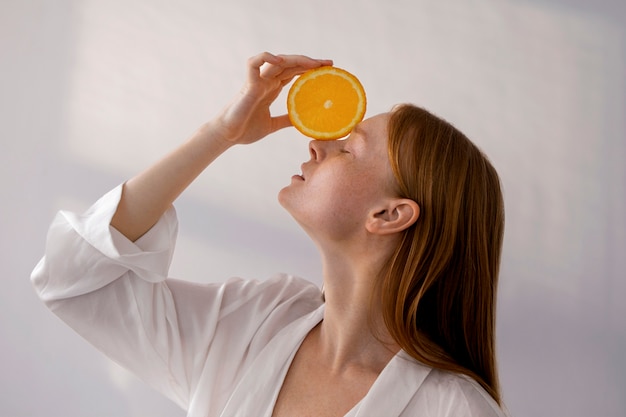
x: 439, y: 290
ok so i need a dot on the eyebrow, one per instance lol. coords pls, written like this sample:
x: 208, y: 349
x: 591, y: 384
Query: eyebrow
x: 361, y: 135
x: 357, y: 129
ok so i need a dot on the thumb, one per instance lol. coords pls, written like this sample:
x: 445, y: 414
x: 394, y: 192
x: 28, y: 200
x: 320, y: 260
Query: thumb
x: 280, y: 122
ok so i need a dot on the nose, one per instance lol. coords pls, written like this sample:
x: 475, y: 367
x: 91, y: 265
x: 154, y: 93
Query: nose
x: 315, y: 150
x: 320, y: 148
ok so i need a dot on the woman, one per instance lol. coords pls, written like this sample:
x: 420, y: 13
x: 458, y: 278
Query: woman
x: 407, y: 215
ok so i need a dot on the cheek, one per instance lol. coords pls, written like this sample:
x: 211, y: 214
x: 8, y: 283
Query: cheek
x: 349, y: 199
x: 324, y: 202
x: 334, y: 197
x: 341, y: 187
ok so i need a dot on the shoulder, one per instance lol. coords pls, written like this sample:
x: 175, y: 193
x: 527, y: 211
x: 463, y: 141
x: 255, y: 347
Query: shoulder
x: 444, y: 394
x: 281, y: 292
x: 275, y: 301
x: 279, y: 287
x: 260, y: 310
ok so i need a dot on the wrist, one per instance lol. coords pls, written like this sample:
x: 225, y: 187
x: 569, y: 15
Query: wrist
x: 206, y: 144
x: 214, y: 135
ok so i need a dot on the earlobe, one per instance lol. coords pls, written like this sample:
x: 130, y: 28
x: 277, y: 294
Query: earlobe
x: 398, y: 215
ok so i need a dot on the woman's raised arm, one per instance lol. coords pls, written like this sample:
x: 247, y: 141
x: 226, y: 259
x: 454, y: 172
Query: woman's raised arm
x: 246, y: 119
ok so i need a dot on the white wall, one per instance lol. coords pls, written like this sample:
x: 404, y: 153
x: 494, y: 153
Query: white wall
x: 92, y: 91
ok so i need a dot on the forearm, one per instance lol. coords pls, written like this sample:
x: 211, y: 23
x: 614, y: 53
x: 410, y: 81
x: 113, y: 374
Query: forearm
x: 149, y: 194
x: 246, y: 119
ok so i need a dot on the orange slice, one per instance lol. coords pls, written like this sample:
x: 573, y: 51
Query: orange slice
x: 326, y: 103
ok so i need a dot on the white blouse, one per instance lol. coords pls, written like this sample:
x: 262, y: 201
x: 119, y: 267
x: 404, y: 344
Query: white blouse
x: 215, y: 349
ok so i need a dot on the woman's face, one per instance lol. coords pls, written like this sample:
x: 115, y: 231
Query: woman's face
x: 343, y: 182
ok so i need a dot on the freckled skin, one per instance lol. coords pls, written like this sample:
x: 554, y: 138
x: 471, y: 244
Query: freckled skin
x: 343, y: 181
x: 341, y: 186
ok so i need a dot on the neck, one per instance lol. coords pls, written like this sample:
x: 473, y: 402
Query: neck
x: 352, y: 332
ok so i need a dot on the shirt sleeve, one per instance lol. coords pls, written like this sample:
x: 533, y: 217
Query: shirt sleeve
x: 116, y: 294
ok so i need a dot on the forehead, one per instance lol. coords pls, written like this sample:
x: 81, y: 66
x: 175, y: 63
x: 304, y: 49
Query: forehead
x: 372, y: 136
x: 372, y: 131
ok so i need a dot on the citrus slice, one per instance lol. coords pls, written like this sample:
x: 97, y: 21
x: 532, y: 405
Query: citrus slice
x: 326, y: 103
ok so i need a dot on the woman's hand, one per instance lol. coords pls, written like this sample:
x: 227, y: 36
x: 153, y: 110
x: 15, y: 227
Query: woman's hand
x: 247, y: 118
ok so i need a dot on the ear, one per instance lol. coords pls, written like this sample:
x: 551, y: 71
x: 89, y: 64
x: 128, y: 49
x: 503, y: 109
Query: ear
x: 394, y: 216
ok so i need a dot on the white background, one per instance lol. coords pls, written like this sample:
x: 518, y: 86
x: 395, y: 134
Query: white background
x: 93, y: 91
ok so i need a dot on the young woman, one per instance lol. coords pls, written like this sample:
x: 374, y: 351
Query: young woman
x: 408, y: 217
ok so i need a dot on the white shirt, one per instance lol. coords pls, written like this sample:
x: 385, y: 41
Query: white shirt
x: 215, y: 349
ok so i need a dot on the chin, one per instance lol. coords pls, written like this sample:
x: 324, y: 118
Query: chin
x: 287, y: 201
x: 282, y: 197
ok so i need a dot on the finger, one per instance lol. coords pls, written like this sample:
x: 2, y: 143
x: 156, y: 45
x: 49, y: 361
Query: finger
x: 303, y: 61
x: 271, y: 71
x: 280, y: 122
x: 255, y: 63
x: 287, y: 75
x: 292, y: 65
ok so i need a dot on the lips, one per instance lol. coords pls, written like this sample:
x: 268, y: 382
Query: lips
x: 302, y: 171
x: 300, y: 176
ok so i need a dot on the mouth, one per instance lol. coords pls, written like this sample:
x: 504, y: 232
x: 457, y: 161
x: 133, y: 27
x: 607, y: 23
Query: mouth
x: 301, y: 172
x: 299, y: 177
